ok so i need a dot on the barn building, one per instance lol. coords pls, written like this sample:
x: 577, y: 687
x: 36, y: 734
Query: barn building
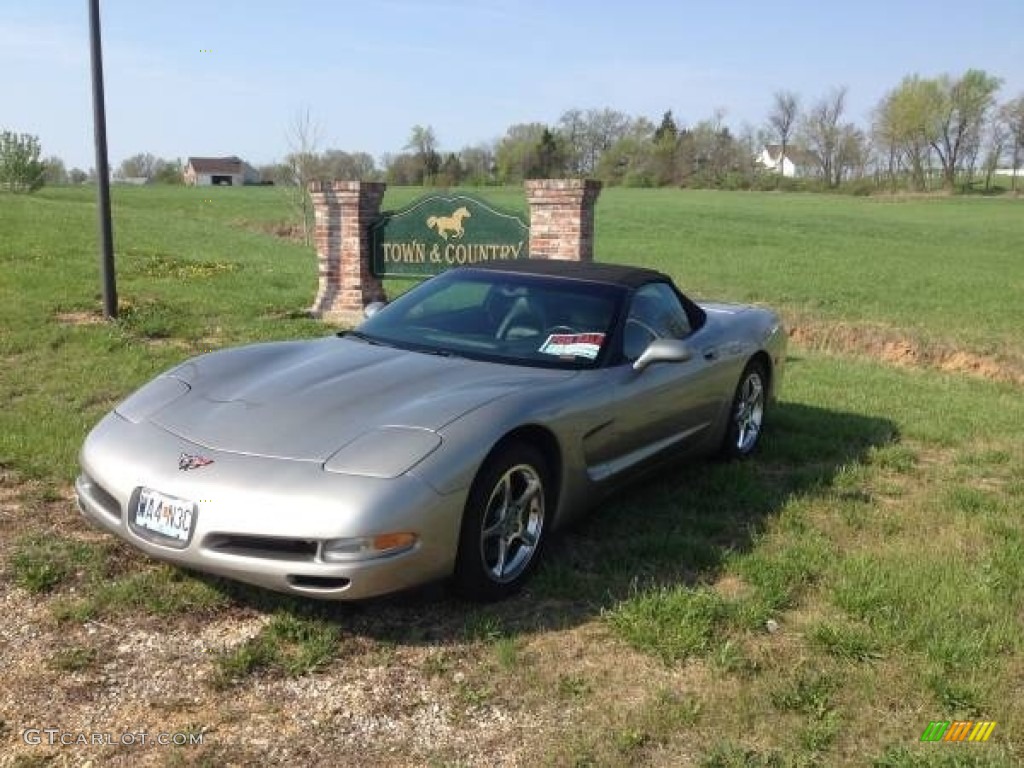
x: 218, y: 171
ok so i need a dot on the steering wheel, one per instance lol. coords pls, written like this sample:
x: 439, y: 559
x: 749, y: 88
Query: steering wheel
x: 560, y: 329
x: 521, y: 317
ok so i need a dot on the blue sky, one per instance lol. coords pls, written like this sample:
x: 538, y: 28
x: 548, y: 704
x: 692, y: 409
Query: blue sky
x: 368, y: 71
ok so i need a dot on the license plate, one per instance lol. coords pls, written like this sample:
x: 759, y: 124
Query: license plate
x: 165, y: 515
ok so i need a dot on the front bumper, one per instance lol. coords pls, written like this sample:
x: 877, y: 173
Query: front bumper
x: 263, y: 520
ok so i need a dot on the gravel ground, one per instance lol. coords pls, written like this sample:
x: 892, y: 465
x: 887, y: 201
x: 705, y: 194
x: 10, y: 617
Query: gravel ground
x: 440, y: 700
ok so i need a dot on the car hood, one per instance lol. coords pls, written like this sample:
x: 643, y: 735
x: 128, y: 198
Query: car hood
x: 305, y: 400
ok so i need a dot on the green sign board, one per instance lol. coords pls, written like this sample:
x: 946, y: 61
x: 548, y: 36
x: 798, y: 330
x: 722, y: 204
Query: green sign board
x: 438, y: 232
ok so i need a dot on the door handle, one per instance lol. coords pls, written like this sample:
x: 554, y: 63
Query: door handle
x: 710, y: 353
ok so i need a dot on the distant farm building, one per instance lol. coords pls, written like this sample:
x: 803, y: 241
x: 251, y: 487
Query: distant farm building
x: 796, y: 162
x: 219, y: 171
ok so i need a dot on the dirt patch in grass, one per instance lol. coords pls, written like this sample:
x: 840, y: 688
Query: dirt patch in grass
x: 19, y: 495
x: 964, y: 362
x: 372, y: 705
x: 731, y: 587
x: 285, y: 230
x: 896, y: 348
x: 82, y: 317
x: 131, y: 670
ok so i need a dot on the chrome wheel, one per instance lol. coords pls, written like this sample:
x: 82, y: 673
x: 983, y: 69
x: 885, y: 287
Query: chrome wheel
x: 501, y: 539
x: 512, y: 523
x: 748, y: 415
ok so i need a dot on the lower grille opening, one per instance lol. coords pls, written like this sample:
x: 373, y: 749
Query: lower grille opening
x: 318, y: 582
x: 263, y: 546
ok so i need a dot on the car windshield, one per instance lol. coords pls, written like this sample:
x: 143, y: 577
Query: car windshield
x: 532, y: 320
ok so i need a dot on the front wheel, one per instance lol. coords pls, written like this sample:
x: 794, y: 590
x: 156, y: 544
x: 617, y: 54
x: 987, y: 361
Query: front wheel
x: 746, y: 418
x: 503, y: 525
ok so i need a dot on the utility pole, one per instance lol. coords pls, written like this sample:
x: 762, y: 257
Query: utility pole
x: 102, y: 167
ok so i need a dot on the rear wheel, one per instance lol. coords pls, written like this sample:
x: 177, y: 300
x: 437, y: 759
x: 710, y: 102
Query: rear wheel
x: 746, y: 418
x: 504, y: 524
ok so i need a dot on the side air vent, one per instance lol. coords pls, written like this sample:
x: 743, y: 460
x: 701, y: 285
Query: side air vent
x: 99, y: 496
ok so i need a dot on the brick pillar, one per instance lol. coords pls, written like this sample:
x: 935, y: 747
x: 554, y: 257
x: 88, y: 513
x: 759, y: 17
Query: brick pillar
x: 562, y: 218
x: 343, y: 212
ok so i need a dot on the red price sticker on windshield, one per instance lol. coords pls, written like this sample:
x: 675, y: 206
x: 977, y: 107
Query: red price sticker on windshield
x: 573, y: 345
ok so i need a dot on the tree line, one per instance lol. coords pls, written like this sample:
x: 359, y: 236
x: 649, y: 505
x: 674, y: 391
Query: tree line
x: 926, y: 133
x: 945, y: 131
x: 948, y: 131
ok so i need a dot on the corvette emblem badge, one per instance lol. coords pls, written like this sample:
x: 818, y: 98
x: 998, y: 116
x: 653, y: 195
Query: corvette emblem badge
x: 187, y: 461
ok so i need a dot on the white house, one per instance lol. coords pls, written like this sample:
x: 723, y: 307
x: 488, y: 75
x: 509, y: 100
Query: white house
x: 215, y: 171
x: 797, y: 162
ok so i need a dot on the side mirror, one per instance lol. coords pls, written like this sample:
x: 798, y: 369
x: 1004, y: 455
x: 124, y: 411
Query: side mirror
x: 373, y: 308
x: 664, y: 351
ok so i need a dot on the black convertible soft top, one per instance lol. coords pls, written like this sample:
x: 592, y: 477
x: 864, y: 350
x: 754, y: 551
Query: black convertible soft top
x: 617, y: 274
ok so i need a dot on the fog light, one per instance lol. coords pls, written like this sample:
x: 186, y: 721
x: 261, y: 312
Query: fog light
x: 367, y: 547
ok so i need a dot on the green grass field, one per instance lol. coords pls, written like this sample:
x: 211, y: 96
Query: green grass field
x: 818, y: 605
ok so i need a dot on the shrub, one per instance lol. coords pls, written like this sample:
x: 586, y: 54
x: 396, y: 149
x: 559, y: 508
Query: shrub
x: 21, y: 170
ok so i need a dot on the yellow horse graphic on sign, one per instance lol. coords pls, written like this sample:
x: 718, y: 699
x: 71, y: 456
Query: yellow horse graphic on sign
x: 453, y: 223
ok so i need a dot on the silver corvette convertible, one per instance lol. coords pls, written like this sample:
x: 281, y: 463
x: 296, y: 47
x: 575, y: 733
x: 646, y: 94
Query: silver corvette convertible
x: 446, y: 437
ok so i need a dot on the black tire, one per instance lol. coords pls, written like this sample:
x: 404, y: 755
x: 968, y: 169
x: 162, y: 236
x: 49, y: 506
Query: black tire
x: 503, y: 531
x: 746, y: 414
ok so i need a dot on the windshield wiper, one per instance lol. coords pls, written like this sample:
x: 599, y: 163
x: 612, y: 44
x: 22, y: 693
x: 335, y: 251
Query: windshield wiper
x: 364, y: 337
x: 439, y: 352
x: 378, y: 342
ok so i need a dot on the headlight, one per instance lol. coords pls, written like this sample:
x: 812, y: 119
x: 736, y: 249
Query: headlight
x: 386, y: 452
x: 367, y: 547
x: 159, y: 393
